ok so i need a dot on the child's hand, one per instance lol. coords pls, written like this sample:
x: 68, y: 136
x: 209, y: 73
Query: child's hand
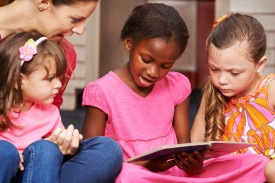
x: 158, y: 165
x: 67, y: 139
x: 191, y: 163
x: 21, y: 163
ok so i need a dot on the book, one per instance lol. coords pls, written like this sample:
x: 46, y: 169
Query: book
x: 217, y: 148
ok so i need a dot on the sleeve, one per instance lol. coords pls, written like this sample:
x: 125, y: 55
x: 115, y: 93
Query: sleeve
x: 94, y: 96
x: 180, y: 86
x: 71, y: 64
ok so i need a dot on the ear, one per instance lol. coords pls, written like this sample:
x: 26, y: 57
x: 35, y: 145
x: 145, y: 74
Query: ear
x: 261, y: 63
x: 43, y: 4
x: 23, y: 80
x: 128, y: 44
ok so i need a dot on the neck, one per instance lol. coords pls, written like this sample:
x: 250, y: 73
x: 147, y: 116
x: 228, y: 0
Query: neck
x: 16, y: 17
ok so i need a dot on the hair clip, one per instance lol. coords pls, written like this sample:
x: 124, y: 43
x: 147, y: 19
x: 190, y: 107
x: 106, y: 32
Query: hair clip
x: 219, y: 20
x: 29, y: 49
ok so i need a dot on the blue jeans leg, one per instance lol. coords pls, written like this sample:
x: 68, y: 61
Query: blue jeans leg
x: 98, y: 160
x: 9, y: 161
x: 42, y: 162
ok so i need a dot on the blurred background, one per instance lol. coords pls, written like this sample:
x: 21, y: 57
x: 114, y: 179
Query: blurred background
x: 99, y: 49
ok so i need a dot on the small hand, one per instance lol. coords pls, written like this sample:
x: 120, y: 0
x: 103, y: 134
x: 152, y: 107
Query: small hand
x: 67, y: 139
x: 21, y: 163
x: 158, y: 165
x: 191, y: 163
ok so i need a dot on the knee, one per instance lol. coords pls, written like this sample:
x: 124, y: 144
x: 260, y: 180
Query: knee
x: 269, y: 171
x: 9, y: 152
x: 44, y: 148
x: 106, y: 144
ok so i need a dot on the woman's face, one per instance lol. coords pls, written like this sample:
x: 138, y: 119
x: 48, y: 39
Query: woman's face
x: 65, y: 20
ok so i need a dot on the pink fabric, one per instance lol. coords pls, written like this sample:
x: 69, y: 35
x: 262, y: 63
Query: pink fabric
x: 71, y: 61
x: 140, y: 124
x: 40, y: 121
x: 233, y: 168
x: 131, y: 117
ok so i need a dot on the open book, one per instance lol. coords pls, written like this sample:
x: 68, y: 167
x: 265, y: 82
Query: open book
x: 217, y: 148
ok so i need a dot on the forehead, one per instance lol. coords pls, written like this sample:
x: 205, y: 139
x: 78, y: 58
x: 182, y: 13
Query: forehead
x: 234, y: 56
x: 80, y: 8
x: 167, y: 49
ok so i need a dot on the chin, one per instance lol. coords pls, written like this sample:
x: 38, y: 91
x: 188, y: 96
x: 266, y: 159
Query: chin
x: 57, y: 38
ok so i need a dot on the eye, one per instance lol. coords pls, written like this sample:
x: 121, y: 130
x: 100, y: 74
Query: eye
x: 212, y: 69
x: 235, y: 73
x: 76, y: 20
x: 166, y: 66
x: 145, y: 60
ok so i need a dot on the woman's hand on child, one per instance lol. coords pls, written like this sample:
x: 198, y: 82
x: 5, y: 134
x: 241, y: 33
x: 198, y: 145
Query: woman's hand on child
x: 67, y: 139
x: 191, y: 163
x: 21, y: 163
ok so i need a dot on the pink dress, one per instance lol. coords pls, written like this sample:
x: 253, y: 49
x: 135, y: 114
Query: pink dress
x: 140, y: 124
x: 38, y: 122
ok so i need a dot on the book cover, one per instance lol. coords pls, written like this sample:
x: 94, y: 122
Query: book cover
x: 217, y: 148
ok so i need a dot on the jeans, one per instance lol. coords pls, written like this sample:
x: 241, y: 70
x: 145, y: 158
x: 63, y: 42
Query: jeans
x: 98, y: 160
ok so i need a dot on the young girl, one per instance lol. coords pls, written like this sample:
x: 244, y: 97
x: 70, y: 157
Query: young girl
x: 31, y: 69
x: 240, y: 102
x: 143, y: 105
x: 54, y: 19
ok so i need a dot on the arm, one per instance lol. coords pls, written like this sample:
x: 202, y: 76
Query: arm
x: 198, y: 128
x: 181, y: 122
x: 191, y: 163
x: 94, y: 122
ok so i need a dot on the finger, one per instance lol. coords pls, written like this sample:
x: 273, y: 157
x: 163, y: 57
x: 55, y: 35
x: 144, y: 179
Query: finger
x: 75, y: 142
x: 180, y: 165
x: 198, y: 156
x: 68, y: 137
x: 53, y: 137
x: 21, y: 166
x: 61, y: 136
x: 184, y: 159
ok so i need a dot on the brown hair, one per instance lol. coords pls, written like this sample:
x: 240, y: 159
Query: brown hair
x: 231, y: 30
x: 11, y: 70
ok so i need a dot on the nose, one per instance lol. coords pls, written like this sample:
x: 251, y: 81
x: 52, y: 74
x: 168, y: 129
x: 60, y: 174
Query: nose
x: 153, y: 71
x: 79, y: 29
x: 223, y: 80
x: 57, y: 84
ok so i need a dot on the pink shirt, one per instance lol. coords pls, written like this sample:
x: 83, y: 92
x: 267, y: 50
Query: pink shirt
x: 138, y: 123
x: 40, y: 121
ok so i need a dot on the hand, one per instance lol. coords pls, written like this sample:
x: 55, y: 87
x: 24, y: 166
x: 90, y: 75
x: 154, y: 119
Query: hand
x: 159, y: 164
x: 21, y: 165
x: 191, y: 163
x: 67, y: 139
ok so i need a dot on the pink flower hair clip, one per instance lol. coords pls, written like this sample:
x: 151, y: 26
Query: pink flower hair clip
x: 29, y: 49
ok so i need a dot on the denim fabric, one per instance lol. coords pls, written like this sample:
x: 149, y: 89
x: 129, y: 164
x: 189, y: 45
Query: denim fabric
x: 9, y: 160
x: 98, y: 160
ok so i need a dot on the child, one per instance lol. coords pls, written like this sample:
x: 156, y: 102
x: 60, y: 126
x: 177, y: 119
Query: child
x: 54, y: 19
x: 240, y: 102
x: 143, y: 105
x: 31, y: 69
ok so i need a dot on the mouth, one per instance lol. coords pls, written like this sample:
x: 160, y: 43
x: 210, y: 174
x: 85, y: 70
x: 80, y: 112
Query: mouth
x: 146, y: 82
